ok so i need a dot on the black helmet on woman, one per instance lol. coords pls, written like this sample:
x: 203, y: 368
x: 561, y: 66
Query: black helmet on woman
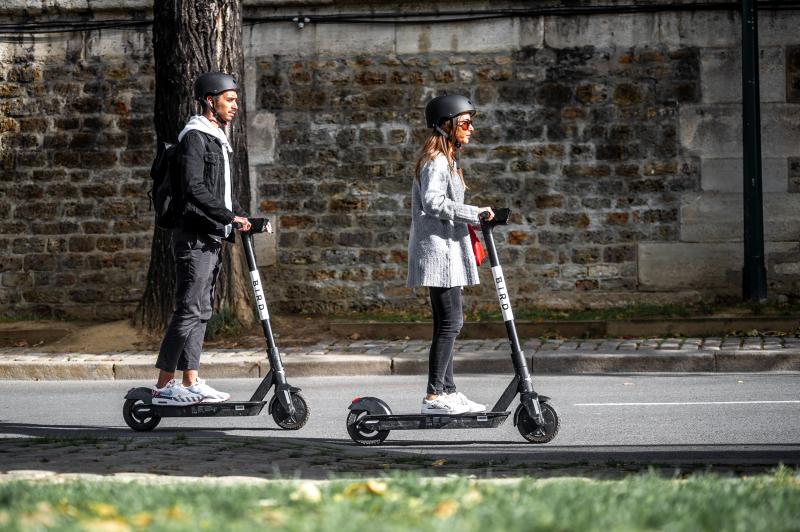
x: 446, y: 107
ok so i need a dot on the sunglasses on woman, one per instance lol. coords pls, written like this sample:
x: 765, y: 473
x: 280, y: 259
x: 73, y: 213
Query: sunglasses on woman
x: 464, y: 125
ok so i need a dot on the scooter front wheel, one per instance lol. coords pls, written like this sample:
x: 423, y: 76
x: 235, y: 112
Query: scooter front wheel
x: 361, y: 436
x: 531, y: 430
x: 136, y: 420
x: 282, y: 417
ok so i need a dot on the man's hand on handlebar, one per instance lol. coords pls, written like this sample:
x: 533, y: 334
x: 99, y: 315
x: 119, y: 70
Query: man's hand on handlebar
x: 241, y: 223
x: 485, y: 213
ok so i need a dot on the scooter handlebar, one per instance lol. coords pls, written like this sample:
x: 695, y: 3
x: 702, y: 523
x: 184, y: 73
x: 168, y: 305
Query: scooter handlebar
x: 258, y: 225
x: 500, y: 217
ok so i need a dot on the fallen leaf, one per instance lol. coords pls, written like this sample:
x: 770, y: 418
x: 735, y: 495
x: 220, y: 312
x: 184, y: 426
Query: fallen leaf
x: 472, y: 497
x: 142, y: 520
x: 445, y: 508
x: 105, y: 525
x: 306, y: 491
x: 102, y: 509
x: 375, y: 487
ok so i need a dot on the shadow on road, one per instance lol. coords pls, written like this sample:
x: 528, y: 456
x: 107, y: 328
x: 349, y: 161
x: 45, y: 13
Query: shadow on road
x: 205, y: 452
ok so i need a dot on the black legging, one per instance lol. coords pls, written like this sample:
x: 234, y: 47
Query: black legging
x: 448, y: 317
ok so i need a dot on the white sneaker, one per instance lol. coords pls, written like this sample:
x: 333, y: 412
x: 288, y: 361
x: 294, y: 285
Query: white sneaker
x: 175, y: 394
x: 209, y: 394
x: 442, y: 405
x: 461, y: 399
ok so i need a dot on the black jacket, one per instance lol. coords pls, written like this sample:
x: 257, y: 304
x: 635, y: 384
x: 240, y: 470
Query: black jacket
x: 202, y: 171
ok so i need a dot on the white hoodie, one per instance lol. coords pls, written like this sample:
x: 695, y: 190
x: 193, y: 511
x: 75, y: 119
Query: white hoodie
x: 202, y: 123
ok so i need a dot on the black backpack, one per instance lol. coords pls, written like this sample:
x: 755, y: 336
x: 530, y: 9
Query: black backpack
x: 165, y: 195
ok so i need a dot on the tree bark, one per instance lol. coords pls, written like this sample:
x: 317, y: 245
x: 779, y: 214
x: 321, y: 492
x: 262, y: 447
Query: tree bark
x: 190, y: 38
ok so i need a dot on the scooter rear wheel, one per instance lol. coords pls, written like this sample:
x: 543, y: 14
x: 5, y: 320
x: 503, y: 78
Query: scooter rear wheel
x: 361, y: 436
x: 281, y: 416
x: 531, y: 430
x: 136, y: 421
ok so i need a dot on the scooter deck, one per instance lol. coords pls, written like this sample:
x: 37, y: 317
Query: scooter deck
x: 228, y: 408
x: 488, y: 420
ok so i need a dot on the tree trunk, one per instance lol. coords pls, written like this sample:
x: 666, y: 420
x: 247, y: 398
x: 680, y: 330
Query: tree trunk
x: 190, y: 38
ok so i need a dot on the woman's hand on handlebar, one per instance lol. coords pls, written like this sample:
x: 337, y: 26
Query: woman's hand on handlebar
x: 241, y: 223
x: 485, y: 213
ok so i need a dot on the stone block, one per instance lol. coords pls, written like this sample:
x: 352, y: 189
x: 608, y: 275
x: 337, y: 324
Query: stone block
x: 672, y: 29
x: 794, y: 174
x: 776, y: 360
x: 261, y: 133
x: 320, y: 39
x: 717, y: 217
x: 725, y: 175
x: 721, y: 74
x: 317, y: 365
x: 773, y: 27
x: 56, y: 370
x: 495, y: 35
x: 558, y: 362
x: 665, y: 266
x: 793, y: 74
x: 711, y: 131
x: 671, y: 265
x: 715, y: 131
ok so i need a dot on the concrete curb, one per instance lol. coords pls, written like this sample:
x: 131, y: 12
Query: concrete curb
x: 136, y: 366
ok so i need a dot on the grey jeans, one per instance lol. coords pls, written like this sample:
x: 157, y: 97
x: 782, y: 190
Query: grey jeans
x: 197, y: 267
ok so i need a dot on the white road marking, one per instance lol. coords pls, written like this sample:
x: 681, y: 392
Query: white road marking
x: 692, y: 403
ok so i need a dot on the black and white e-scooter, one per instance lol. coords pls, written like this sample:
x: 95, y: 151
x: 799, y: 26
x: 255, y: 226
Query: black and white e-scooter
x: 370, y: 420
x: 287, y: 406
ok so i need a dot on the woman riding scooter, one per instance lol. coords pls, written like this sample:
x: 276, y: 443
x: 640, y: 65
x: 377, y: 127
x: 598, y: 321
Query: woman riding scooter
x: 440, y: 254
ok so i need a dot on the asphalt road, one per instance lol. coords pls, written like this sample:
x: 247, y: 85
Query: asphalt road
x: 646, y: 419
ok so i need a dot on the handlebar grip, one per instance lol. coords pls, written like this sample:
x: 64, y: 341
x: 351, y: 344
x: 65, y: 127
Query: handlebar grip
x: 258, y: 225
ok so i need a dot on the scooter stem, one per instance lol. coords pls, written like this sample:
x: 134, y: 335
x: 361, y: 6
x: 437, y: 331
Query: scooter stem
x: 527, y: 394
x: 276, y: 365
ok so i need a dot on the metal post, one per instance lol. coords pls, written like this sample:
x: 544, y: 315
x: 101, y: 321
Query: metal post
x: 754, y: 275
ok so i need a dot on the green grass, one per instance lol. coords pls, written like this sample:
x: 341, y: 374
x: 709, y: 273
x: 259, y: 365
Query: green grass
x: 409, y: 502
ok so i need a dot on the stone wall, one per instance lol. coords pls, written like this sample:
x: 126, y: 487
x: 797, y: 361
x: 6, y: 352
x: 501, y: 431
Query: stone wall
x: 76, y: 143
x: 614, y: 138
x: 581, y: 143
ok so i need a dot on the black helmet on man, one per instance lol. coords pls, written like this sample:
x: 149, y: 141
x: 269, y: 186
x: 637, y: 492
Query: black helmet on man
x: 447, y: 107
x: 213, y: 83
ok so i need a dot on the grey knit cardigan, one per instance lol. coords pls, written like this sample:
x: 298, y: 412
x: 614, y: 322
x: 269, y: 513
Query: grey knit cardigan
x: 439, y: 247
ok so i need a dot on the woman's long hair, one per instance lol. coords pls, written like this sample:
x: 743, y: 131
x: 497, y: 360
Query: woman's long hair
x: 435, y: 145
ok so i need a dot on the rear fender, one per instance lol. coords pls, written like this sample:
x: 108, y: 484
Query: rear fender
x: 371, y: 405
x: 142, y: 394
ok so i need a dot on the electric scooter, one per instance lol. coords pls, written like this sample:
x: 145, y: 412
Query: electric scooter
x: 287, y: 406
x: 370, y: 419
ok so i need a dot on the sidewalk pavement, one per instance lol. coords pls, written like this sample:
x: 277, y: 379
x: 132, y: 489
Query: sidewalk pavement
x: 410, y: 357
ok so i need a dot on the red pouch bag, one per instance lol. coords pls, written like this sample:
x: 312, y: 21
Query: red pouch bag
x: 477, y: 247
